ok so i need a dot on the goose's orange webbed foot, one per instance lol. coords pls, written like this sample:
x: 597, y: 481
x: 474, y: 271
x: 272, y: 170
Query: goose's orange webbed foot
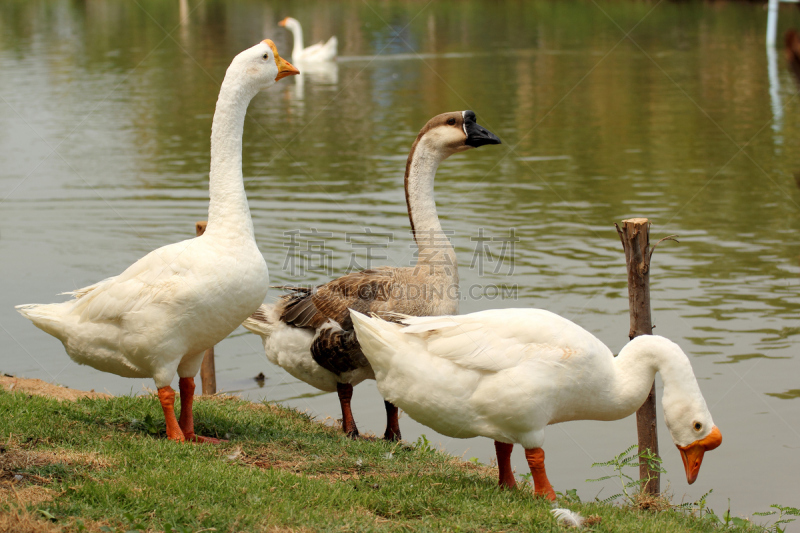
x: 186, y: 386
x: 503, y: 451
x: 205, y: 440
x: 166, y: 395
x: 541, y: 484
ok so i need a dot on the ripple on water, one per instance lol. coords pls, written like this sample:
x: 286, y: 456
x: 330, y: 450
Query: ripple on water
x: 129, y: 118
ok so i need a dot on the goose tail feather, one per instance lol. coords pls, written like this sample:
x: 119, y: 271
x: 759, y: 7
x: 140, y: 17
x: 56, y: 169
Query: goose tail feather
x: 378, y: 339
x: 261, y: 322
x: 333, y: 46
x: 47, y: 317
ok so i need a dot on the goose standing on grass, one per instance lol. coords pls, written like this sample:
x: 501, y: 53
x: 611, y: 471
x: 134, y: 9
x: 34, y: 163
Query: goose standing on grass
x: 160, y: 315
x: 316, y: 52
x: 507, y: 374
x: 309, y: 332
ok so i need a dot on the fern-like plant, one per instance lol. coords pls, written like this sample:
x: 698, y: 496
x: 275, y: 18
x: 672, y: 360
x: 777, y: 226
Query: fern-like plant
x: 621, y: 463
x: 783, y: 513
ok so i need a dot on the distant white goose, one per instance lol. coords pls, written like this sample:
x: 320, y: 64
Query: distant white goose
x: 309, y: 332
x: 507, y: 374
x: 316, y: 52
x: 160, y: 315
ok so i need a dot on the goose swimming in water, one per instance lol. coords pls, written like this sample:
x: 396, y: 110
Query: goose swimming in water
x: 309, y: 332
x: 322, y: 51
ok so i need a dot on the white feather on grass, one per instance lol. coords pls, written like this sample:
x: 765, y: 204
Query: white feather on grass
x: 568, y: 518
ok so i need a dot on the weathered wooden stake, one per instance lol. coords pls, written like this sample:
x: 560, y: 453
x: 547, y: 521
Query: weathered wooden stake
x: 208, y: 374
x: 635, y: 237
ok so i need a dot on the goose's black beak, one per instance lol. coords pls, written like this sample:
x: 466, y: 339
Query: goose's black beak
x: 477, y: 135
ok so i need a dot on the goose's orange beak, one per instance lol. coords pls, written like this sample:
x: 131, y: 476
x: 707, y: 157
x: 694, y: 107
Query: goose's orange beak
x: 283, y: 22
x: 284, y: 67
x: 692, y: 454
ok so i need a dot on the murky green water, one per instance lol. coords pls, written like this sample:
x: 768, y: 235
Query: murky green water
x: 105, y: 116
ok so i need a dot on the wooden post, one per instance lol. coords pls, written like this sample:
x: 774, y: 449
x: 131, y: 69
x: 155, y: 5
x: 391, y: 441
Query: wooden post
x: 208, y: 374
x: 635, y: 237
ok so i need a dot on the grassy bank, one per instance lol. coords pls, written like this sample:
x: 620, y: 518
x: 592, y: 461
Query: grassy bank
x: 100, y: 464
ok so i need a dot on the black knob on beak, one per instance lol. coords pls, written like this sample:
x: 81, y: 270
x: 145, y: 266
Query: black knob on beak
x: 477, y: 135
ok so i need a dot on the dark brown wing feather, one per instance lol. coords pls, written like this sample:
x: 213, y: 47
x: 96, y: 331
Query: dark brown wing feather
x: 333, y: 349
x: 311, y: 308
x: 359, y: 291
x: 338, y: 351
x: 300, y: 311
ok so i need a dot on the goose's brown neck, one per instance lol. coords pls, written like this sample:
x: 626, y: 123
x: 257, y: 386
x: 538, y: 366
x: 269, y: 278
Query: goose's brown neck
x: 433, y: 245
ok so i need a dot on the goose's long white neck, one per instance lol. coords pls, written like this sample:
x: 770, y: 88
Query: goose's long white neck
x: 435, y: 250
x: 297, y: 32
x: 634, y: 370
x: 228, y: 211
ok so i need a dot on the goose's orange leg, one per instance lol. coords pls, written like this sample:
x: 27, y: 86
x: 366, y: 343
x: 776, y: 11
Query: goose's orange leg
x: 392, y: 424
x: 345, y: 392
x: 541, y: 484
x: 167, y: 398
x: 503, y: 450
x: 186, y: 386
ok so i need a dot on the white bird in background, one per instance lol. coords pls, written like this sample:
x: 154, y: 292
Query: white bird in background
x: 507, y: 374
x: 160, y: 315
x: 314, y: 53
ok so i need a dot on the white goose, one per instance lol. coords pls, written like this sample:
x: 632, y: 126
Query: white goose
x: 507, y: 374
x: 309, y: 332
x: 160, y: 315
x: 316, y: 52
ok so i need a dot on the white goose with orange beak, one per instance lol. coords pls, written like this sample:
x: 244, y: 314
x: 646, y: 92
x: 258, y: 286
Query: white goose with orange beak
x: 158, y: 317
x: 507, y: 374
x: 322, y: 51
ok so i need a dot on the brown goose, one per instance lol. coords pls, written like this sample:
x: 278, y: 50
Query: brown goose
x: 309, y: 333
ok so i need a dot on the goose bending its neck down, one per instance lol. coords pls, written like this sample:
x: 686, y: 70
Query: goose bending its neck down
x: 160, y: 315
x: 309, y: 331
x: 507, y: 374
x: 322, y: 51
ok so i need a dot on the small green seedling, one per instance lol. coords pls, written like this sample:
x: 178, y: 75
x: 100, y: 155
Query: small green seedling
x: 423, y: 444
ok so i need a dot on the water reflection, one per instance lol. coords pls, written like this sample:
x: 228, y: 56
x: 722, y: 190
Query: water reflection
x: 322, y: 73
x: 104, y: 151
x: 788, y: 395
x: 775, y: 93
x: 747, y: 356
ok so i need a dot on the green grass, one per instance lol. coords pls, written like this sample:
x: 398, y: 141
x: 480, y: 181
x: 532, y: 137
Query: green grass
x: 279, y: 471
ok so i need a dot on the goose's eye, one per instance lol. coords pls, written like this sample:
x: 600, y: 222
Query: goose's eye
x: 265, y: 56
x: 698, y: 426
x: 451, y: 121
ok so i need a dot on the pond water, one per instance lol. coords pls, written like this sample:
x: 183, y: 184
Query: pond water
x: 105, y: 116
